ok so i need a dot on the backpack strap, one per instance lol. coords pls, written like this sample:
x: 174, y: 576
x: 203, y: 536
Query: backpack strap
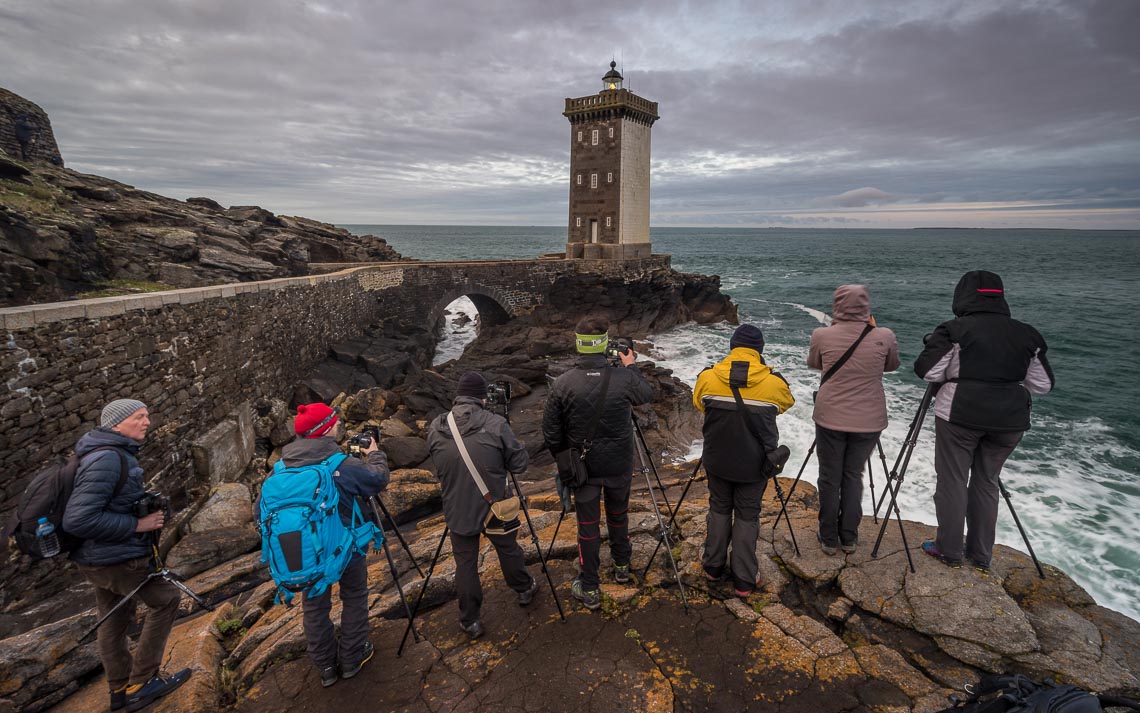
x: 124, y: 468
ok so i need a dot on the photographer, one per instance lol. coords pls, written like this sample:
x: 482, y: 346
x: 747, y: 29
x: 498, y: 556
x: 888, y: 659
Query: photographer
x: 585, y: 397
x: 989, y: 364
x: 850, y: 410
x: 117, y: 554
x: 738, y: 466
x: 319, y: 430
x: 493, y: 449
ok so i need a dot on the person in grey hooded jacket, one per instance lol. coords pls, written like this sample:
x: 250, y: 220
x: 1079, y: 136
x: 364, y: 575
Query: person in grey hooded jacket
x: 118, y: 552
x: 494, y: 450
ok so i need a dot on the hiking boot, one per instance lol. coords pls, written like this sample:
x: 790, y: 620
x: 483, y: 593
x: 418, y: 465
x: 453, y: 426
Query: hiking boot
x: 590, y: 598
x: 983, y: 567
x: 717, y: 578
x: 827, y: 549
x: 154, y: 689
x: 930, y: 548
x: 621, y: 573
x: 119, y: 698
x: 350, y: 671
x: 329, y: 676
x: 473, y: 630
x: 849, y: 548
x: 527, y: 597
x: 742, y: 593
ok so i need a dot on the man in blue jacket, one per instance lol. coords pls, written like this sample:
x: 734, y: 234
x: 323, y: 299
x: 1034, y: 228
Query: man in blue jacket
x: 318, y: 430
x: 117, y: 554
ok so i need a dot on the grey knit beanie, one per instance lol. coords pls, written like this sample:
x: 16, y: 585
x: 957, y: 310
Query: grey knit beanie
x: 117, y: 411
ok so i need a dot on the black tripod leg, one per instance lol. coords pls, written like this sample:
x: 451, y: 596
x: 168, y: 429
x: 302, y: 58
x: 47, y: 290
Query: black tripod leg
x: 400, y: 589
x: 1017, y: 521
x: 784, y: 512
x: 673, y: 515
x: 538, y: 547
x: 423, y: 591
x: 561, y: 517
x: 177, y: 582
x: 118, y: 606
x: 649, y: 457
x: 376, y: 501
x: 871, y: 475
x: 796, y: 482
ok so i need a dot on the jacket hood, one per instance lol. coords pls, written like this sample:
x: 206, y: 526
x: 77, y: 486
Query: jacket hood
x: 757, y: 369
x: 851, y: 303
x: 470, y: 416
x: 979, y: 291
x: 305, y: 451
x: 99, y: 437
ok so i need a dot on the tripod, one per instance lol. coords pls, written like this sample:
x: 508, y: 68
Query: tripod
x: 641, y: 438
x: 423, y: 590
x: 899, y: 471
x: 161, y: 573
x: 377, y: 502
x: 663, y: 537
x: 1017, y: 521
x: 673, y: 514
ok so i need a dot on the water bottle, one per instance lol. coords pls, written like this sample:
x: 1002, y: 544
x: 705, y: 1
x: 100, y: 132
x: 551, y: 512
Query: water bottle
x: 48, y: 540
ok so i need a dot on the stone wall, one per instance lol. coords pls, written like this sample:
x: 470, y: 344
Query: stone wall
x: 39, y: 143
x: 196, y: 355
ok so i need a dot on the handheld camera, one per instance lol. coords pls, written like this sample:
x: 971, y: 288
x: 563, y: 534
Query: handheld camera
x: 151, y: 502
x: 618, y: 347
x: 367, y: 436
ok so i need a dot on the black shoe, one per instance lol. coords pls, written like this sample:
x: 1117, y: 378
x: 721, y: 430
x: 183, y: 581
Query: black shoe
x: 590, y: 598
x: 156, y: 688
x: 527, y: 597
x: 724, y: 576
x: 473, y: 630
x: 350, y: 671
x: 119, y: 698
x: 328, y: 676
x: 849, y: 547
x: 983, y: 567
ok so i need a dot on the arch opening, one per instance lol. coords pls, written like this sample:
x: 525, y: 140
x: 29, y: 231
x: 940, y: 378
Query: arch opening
x: 458, y: 319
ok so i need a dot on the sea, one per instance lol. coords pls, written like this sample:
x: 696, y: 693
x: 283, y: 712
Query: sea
x: 1075, y: 479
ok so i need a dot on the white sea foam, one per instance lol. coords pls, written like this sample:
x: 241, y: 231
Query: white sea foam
x: 456, y: 338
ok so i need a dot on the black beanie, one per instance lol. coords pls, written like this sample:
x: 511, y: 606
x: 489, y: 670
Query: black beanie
x: 747, y: 336
x: 472, y: 384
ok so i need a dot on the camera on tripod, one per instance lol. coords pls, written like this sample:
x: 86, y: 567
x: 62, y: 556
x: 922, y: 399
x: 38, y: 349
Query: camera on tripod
x: 499, y: 393
x: 367, y: 436
x: 151, y: 502
x: 618, y: 347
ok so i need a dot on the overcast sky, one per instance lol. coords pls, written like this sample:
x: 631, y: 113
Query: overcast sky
x: 820, y: 113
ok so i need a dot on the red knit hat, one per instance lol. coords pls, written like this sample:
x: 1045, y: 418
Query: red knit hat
x: 314, y: 420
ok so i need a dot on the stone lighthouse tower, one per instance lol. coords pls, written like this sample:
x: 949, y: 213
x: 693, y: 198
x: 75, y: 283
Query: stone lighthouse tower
x: 609, y: 172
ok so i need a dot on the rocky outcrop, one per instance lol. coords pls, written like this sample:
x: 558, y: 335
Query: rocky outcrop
x: 25, y: 134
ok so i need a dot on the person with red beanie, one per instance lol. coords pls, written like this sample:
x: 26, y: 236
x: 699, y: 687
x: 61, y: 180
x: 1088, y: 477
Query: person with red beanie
x: 319, y: 429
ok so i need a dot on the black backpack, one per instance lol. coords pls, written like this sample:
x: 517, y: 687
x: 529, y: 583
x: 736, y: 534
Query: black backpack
x: 47, y: 496
x: 1014, y: 693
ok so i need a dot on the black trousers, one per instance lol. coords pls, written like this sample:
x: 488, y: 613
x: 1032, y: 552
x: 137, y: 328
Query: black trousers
x: 842, y: 456
x: 465, y: 549
x: 587, y: 505
x: 319, y: 632
x: 733, y: 519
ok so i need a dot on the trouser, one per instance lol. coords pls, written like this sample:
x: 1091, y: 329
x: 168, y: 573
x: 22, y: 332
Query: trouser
x: 968, y: 463
x: 587, y: 506
x: 842, y: 456
x: 319, y: 631
x: 465, y: 549
x: 112, y: 583
x: 734, y: 518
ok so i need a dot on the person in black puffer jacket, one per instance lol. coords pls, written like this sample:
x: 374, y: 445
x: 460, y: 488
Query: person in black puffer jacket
x: 570, y: 408
x: 988, y: 365
x: 117, y: 554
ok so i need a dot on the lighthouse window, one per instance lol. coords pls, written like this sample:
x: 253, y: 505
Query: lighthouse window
x: 611, y: 132
x: 579, y: 179
x: 579, y: 137
x: 593, y: 180
x: 609, y: 178
x: 594, y: 137
x: 578, y: 222
x: 608, y: 219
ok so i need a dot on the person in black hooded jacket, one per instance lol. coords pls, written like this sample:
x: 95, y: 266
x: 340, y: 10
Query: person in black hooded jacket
x: 988, y: 365
x: 574, y: 397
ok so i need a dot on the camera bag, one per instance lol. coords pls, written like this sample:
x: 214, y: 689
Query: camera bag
x: 303, y: 539
x: 571, y: 462
x: 47, y: 496
x: 1015, y: 693
x: 503, y: 516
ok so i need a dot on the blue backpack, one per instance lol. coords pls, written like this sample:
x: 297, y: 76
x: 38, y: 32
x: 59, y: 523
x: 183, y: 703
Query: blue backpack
x: 303, y: 539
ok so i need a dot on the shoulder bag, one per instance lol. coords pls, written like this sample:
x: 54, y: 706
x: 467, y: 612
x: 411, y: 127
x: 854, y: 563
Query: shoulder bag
x: 503, y: 517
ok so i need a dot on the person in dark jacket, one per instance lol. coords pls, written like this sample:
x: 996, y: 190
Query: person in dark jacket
x: 736, y: 464
x: 118, y: 552
x: 494, y: 451
x: 318, y: 430
x: 988, y: 365
x: 850, y: 410
x: 574, y: 397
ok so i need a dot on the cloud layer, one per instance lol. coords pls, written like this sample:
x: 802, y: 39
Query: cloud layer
x: 816, y: 112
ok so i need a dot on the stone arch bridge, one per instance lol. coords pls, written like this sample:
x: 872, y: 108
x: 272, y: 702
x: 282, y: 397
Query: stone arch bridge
x: 201, y: 356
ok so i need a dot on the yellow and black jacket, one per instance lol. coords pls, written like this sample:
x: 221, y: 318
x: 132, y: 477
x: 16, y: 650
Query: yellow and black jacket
x: 730, y: 451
